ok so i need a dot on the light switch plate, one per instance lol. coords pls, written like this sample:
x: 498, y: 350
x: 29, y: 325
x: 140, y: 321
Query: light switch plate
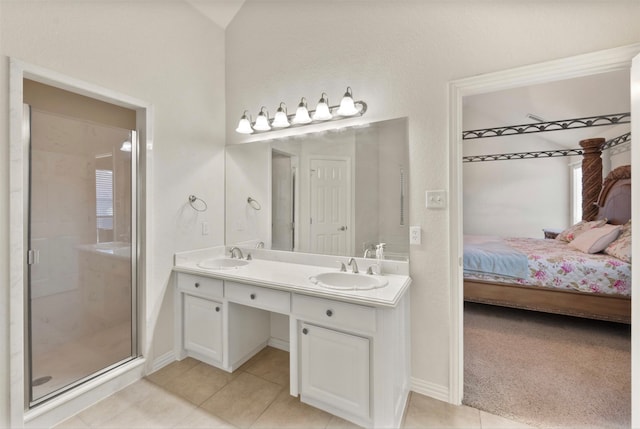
x: 436, y: 199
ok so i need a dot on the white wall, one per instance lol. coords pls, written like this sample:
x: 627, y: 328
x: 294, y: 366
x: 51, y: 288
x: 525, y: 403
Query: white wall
x: 515, y: 198
x: 248, y: 174
x: 367, y: 193
x: 4, y: 238
x: 398, y: 56
x: 392, y: 160
x: 617, y: 156
x: 164, y: 53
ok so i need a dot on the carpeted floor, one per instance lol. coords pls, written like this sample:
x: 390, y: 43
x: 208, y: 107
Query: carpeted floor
x: 547, y: 370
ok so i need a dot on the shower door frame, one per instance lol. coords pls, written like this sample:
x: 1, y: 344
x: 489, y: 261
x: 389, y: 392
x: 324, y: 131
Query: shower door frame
x: 73, y: 400
x: 33, y: 258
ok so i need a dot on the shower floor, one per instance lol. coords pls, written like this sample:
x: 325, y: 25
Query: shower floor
x: 74, y: 360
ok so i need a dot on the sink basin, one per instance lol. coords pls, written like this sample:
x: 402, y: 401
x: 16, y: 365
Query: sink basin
x: 222, y: 263
x: 348, y: 281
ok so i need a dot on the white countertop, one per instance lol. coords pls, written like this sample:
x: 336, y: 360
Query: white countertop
x: 294, y: 277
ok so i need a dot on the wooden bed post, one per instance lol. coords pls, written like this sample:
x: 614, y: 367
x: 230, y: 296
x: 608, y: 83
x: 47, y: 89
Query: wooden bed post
x: 591, y: 176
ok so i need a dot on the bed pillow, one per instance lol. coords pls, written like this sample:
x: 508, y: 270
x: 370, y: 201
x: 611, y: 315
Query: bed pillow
x: 621, y: 248
x: 597, y: 239
x: 573, y: 231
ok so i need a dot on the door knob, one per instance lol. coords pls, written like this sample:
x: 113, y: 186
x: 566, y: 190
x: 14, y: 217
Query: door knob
x: 342, y: 228
x: 305, y: 331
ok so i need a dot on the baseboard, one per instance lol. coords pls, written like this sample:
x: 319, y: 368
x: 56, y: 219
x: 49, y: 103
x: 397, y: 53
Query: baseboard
x: 162, y: 361
x: 277, y: 343
x: 432, y: 390
x: 239, y: 362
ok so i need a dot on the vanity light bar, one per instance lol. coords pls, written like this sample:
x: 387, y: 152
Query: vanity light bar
x: 323, y: 113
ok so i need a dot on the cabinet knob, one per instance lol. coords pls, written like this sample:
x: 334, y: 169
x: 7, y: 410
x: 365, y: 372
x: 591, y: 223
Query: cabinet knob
x: 305, y: 331
x: 197, y: 284
x: 217, y: 308
x: 329, y: 312
x: 252, y: 296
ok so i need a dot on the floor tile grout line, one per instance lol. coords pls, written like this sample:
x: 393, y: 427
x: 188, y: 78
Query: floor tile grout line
x: 268, y: 406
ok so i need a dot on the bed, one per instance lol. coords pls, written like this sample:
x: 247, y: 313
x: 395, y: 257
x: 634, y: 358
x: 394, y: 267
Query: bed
x: 555, y: 277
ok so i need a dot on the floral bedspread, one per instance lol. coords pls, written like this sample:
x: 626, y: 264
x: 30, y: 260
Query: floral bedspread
x: 552, y: 263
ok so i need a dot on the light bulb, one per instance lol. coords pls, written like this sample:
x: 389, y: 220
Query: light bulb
x: 244, y: 125
x: 280, y: 120
x: 302, y: 114
x: 347, y: 107
x: 262, y: 121
x: 322, y: 112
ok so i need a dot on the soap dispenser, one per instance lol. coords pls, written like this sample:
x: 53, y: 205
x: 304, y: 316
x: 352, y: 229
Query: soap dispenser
x: 377, y: 267
x: 380, y: 250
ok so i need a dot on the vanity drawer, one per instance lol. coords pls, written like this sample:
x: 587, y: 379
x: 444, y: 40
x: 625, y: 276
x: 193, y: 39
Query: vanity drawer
x: 339, y: 314
x: 199, y: 285
x: 260, y: 297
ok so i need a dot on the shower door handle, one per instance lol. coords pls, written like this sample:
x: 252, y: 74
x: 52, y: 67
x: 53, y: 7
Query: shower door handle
x: 33, y: 257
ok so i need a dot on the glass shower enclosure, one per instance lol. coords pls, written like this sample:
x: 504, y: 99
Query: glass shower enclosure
x: 81, y: 269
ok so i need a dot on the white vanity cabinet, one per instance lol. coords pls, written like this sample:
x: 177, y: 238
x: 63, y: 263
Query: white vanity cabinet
x: 203, y: 328
x: 353, y: 359
x: 348, y: 356
x: 334, y: 369
x: 202, y: 321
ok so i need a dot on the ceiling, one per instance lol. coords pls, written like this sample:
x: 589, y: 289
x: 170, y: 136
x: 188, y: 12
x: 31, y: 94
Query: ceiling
x: 601, y: 94
x: 220, y: 12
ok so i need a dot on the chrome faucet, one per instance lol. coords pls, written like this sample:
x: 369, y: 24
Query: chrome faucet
x: 235, y: 250
x: 352, y: 263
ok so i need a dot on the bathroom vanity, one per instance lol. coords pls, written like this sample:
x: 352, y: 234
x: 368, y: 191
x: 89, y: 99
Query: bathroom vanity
x: 348, y: 339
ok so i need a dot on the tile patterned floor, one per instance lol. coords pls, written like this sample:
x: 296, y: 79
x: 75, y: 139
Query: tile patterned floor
x: 191, y: 394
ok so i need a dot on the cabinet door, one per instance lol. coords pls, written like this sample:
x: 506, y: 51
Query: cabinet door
x: 335, y: 369
x: 203, y: 327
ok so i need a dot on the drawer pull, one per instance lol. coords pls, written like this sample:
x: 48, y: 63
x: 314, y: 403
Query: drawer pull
x: 197, y: 284
x: 329, y: 312
x: 218, y: 309
x: 252, y: 296
x: 305, y: 331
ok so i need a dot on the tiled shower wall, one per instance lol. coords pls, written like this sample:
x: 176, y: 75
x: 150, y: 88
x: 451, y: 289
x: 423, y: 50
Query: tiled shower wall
x: 74, y: 292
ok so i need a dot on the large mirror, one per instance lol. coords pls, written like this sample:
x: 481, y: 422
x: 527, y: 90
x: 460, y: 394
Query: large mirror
x: 336, y: 192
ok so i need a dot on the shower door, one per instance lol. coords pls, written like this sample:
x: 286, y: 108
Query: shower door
x: 81, y: 269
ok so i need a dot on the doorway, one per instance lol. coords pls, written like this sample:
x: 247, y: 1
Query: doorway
x: 583, y: 65
x: 44, y: 409
x: 283, y: 196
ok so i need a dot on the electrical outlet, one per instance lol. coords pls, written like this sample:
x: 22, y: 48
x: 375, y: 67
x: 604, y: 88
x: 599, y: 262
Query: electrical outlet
x: 436, y: 199
x: 415, y: 235
x: 205, y: 228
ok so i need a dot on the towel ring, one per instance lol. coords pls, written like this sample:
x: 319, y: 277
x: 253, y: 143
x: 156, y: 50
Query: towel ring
x: 254, y: 204
x: 193, y: 199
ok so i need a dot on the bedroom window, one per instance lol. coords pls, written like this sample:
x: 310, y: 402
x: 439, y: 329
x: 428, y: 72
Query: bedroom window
x: 576, y: 192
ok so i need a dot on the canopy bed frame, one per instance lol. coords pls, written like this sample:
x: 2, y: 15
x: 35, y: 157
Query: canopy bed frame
x: 610, y: 199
